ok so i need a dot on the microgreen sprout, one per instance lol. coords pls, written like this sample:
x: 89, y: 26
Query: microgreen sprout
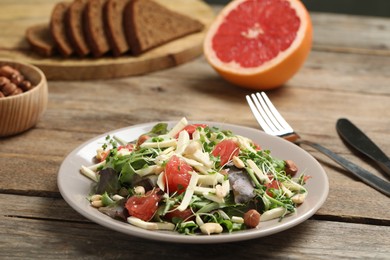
x: 271, y: 190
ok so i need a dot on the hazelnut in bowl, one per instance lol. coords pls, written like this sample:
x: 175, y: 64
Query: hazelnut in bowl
x: 23, y: 96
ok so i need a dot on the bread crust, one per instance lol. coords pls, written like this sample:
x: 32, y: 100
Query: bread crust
x: 40, y: 40
x: 58, y: 30
x: 149, y: 25
x: 113, y: 18
x: 75, y: 28
x: 94, y: 28
x: 112, y: 27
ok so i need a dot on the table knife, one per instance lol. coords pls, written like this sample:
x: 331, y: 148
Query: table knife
x: 367, y: 177
x: 362, y: 143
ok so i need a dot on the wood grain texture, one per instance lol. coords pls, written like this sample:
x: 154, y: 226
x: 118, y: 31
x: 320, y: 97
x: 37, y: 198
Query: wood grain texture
x: 171, y: 94
x: 45, y: 227
x: 343, y: 77
x: 72, y: 68
x: 351, y: 33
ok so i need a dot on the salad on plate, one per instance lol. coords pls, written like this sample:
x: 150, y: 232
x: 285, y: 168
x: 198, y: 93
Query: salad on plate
x: 193, y: 179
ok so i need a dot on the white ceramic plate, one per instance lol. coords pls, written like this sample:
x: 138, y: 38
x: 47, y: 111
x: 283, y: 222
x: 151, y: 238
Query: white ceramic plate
x: 75, y: 187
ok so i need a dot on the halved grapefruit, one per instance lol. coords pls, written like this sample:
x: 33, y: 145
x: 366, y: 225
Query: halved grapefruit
x: 259, y: 44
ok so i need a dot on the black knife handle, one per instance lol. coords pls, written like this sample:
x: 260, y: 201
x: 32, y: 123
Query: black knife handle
x: 362, y: 143
x: 367, y: 177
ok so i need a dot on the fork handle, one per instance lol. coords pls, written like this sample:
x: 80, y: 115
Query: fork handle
x: 367, y: 177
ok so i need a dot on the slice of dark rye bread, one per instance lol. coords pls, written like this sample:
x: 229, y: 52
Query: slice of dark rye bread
x: 116, y: 25
x: 58, y: 30
x: 113, y: 19
x: 40, y: 40
x: 149, y: 25
x: 75, y: 29
x: 94, y: 27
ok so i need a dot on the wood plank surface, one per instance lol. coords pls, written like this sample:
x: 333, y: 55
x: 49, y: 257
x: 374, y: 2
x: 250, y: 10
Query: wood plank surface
x: 346, y: 75
x: 46, y: 227
x: 168, y: 55
x: 351, y: 33
x: 69, y: 122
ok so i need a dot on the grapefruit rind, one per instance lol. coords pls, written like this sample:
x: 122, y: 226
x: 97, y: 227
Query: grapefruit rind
x: 273, y: 73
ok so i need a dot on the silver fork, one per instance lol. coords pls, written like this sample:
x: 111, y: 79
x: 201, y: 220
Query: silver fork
x: 274, y: 124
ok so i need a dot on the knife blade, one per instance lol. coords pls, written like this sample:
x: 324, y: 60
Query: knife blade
x: 362, y: 143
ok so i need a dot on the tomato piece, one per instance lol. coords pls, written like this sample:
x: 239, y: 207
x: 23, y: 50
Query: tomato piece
x: 257, y: 147
x: 191, y: 129
x: 306, y: 178
x: 186, y: 214
x: 143, y: 207
x: 273, y: 185
x: 141, y: 139
x: 226, y: 149
x: 129, y: 147
x: 104, y: 155
x: 177, y: 176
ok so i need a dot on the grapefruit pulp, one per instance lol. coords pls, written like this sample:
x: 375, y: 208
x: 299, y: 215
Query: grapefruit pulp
x: 259, y: 44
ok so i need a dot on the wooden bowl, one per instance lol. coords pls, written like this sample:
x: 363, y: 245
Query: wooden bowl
x: 22, y: 111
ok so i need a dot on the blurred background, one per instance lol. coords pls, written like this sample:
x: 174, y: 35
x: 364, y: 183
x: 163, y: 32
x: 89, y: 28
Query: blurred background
x: 359, y: 7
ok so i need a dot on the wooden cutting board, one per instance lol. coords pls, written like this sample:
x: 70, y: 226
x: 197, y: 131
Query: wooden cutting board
x: 17, y: 16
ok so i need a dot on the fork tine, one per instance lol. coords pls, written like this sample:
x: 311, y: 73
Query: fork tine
x: 268, y: 116
x: 268, y: 109
x: 257, y: 114
x: 279, y: 118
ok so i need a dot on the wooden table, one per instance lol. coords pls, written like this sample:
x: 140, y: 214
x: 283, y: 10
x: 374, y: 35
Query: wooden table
x: 347, y: 75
